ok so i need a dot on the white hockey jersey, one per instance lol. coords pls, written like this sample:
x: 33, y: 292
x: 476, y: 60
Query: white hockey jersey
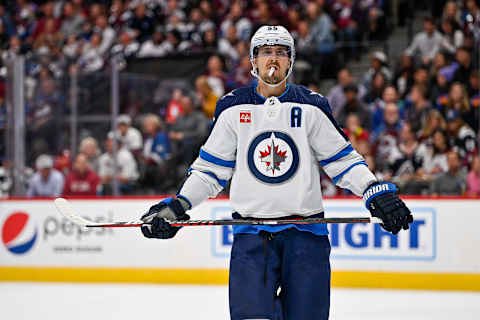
x: 271, y: 148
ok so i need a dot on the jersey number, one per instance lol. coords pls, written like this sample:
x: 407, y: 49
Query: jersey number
x: 296, y: 117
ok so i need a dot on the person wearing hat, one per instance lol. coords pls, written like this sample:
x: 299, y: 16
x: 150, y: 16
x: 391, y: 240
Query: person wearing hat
x: 379, y: 63
x: 46, y: 182
x: 130, y: 137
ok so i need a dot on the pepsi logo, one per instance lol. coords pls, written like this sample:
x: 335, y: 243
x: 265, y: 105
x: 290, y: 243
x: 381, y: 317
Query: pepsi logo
x: 19, y: 233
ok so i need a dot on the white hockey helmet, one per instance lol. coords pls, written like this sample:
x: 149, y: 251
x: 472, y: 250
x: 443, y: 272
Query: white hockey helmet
x: 272, y: 36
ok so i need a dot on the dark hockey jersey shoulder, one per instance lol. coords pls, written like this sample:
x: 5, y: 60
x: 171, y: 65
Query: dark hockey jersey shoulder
x: 244, y: 95
x: 302, y: 95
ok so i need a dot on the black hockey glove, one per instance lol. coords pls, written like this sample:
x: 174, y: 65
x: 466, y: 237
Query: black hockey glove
x: 159, y: 215
x: 383, y: 202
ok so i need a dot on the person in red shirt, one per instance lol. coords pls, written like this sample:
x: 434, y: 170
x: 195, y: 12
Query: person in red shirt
x: 81, y: 181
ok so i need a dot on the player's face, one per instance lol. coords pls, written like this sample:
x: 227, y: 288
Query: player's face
x: 276, y: 57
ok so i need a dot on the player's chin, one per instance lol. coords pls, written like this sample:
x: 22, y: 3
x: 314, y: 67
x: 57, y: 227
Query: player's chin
x: 272, y: 80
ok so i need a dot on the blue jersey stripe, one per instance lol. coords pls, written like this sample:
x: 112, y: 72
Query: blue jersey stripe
x: 222, y: 182
x: 211, y: 158
x: 339, y: 176
x: 344, y: 152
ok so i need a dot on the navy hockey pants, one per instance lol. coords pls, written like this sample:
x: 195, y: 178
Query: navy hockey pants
x: 295, y: 261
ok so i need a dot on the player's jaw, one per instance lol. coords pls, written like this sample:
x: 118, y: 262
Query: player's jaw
x: 278, y: 75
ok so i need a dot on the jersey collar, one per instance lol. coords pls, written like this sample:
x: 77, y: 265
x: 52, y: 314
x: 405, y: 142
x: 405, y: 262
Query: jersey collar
x: 264, y: 99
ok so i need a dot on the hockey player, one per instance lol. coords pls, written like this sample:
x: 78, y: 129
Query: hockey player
x: 269, y: 140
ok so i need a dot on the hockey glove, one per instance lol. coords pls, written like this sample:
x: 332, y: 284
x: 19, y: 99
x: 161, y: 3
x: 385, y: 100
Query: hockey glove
x: 383, y: 202
x: 159, y: 215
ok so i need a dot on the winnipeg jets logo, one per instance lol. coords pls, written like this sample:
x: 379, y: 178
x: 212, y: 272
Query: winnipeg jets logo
x: 273, y: 157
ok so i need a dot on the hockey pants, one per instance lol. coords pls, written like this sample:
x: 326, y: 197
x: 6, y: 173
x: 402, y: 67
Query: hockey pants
x: 295, y: 261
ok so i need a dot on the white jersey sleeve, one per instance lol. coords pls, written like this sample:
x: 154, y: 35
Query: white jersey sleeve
x: 213, y: 168
x: 342, y: 163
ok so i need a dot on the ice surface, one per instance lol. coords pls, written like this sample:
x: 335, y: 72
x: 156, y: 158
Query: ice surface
x: 60, y: 301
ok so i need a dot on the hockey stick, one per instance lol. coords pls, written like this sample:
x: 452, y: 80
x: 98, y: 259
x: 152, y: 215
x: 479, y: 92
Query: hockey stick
x: 66, y: 209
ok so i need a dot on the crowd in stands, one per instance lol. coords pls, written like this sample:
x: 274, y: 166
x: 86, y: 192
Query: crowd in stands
x: 415, y: 120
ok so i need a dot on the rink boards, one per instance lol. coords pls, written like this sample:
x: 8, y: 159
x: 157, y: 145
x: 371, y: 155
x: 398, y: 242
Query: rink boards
x: 438, y: 252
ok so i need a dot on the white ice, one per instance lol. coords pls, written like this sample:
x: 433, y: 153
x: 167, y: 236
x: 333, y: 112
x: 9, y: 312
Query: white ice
x: 60, y: 301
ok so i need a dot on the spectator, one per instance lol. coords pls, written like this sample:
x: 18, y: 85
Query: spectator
x: 48, y: 15
x: 174, y: 108
x: 433, y: 157
x: 347, y: 26
x: 464, y: 61
x: 439, y: 91
x: 321, y: 28
x: 236, y: 18
x: 91, y: 59
x: 428, y: 42
x: 175, y: 44
x: 405, y: 168
x: 453, y: 36
x: 238, y: 77
x: 72, y: 21
x: 107, y: 33
x: 189, y: 131
x: 336, y: 95
x: 125, y: 169
x: 126, y: 45
x: 458, y: 100
x: 129, y: 137
x: 156, y: 152
x: 451, y: 182
x: 389, y: 95
x: 433, y: 122
x: 118, y: 15
x: 49, y: 40
x: 354, y: 105
x: 81, y: 181
x: 386, y: 137
x: 227, y: 44
x: 471, y: 19
x: 452, y: 14
x: 418, y: 108
x: 462, y: 137
x: 403, y: 78
x: 89, y: 148
x: 142, y: 23
x: 379, y: 63
x: 473, y: 178
x: 155, y: 47
x: 420, y: 77
x: 359, y: 137
x: 197, y: 26
x: 43, y: 117
x: 473, y: 87
x: 208, y: 99
x: 376, y: 88
x: 46, y: 182
x: 209, y: 41
x: 215, y: 76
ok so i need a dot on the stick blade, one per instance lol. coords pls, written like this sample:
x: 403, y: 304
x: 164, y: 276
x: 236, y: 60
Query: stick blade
x: 66, y: 210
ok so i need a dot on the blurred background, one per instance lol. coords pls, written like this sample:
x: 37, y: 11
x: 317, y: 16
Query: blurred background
x: 82, y: 80
x: 107, y: 102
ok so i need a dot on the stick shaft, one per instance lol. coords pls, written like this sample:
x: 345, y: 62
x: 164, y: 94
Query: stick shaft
x: 198, y: 223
